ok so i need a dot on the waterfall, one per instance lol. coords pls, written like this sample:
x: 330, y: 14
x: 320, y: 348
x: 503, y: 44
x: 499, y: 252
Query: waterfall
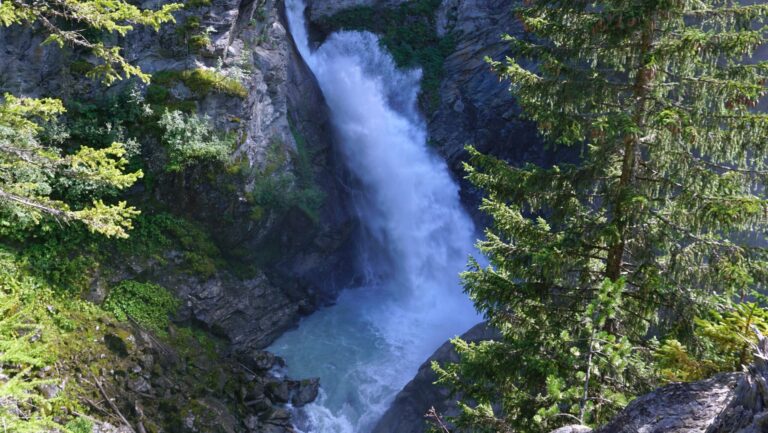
x: 368, y: 345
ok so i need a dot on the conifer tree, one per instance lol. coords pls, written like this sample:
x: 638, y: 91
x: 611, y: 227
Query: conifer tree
x: 656, y: 223
x: 29, y: 172
x: 65, y: 20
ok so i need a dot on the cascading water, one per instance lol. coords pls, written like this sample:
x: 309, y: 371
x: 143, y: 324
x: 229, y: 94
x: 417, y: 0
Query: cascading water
x: 368, y: 345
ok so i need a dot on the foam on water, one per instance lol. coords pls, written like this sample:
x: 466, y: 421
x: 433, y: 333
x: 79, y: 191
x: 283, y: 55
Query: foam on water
x: 368, y: 345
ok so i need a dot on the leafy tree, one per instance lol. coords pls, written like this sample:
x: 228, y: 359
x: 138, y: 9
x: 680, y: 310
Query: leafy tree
x: 650, y: 229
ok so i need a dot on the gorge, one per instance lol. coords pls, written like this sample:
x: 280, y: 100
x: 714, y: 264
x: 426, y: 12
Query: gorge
x: 250, y: 216
x: 416, y: 239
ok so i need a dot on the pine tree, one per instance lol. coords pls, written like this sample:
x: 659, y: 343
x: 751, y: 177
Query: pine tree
x: 30, y: 171
x: 64, y: 22
x: 656, y: 223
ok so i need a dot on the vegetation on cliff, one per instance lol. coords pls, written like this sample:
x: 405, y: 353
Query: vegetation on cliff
x: 67, y: 234
x: 653, y: 228
x: 409, y: 32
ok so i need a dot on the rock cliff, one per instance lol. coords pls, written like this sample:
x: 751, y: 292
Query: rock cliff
x: 281, y: 127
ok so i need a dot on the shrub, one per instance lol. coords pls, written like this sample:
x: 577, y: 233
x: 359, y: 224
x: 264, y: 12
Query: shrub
x: 148, y: 304
x: 79, y: 425
x: 202, y: 81
x: 199, y: 41
x: 278, y: 191
x: 190, y: 139
x: 157, y: 94
x: 723, y: 340
x: 190, y: 4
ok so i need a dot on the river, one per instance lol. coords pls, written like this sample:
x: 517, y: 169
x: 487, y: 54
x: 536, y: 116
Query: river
x: 415, y: 242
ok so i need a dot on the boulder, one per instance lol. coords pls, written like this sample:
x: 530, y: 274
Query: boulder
x: 304, y: 391
x: 725, y: 403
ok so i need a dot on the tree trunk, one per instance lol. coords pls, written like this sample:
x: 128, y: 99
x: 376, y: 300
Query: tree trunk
x: 630, y: 157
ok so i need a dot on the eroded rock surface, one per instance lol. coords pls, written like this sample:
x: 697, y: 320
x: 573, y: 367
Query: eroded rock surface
x: 726, y: 403
x: 321, y: 8
x: 406, y: 414
x: 301, y: 256
x: 676, y: 408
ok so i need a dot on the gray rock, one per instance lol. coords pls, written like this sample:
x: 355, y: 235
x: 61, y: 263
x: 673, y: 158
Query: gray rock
x: 475, y: 107
x: 406, y: 414
x: 50, y: 390
x: 249, y: 313
x: 261, y: 360
x: 139, y: 385
x: 726, y: 403
x: 573, y: 429
x: 321, y: 8
x: 304, y: 391
x: 676, y: 408
x: 279, y: 392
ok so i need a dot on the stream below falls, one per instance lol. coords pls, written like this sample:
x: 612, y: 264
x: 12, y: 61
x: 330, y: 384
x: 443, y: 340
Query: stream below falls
x: 416, y: 240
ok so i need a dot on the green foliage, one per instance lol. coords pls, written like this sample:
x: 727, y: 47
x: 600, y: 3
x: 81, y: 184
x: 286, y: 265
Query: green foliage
x: 409, y: 32
x: 31, y: 172
x: 202, y: 81
x: 157, y: 233
x: 37, y: 329
x: 157, y: 94
x: 79, y: 425
x: 190, y: 4
x: 69, y: 258
x: 189, y: 139
x: 64, y: 258
x: 192, y: 33
x: 99, y: 123
x: 199, y: 41
x: 724, y: 342
x: 147, y: 304
x: 116, y: 17
x: 276, y: 190
x: 643, y: 234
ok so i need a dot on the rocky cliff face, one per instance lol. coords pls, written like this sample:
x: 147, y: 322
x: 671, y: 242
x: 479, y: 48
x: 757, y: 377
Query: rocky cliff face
x: 322, y: 8
x: 282, y: 117
x: 406, y: 414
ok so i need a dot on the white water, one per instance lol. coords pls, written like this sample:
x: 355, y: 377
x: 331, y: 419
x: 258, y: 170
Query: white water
x: 371, y: 343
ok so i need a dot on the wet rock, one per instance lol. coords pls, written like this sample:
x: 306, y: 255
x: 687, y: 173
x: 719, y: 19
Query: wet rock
x: 304, y: 391
x: 261, y: 360
x: 320, y: 8
x: 279, y: 392
x: 406, y: 414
